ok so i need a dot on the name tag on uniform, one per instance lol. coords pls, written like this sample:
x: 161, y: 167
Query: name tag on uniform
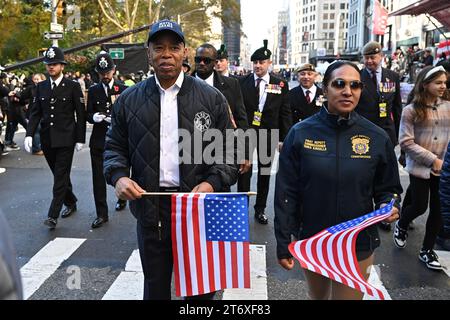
x: 257, y: 116
x: 383, y: 109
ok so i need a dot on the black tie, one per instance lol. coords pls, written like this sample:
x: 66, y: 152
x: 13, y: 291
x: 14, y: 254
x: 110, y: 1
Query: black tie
x: 308, y: 99
x: 53, y: 85
x: 374, y: 79
x: 258, y: 81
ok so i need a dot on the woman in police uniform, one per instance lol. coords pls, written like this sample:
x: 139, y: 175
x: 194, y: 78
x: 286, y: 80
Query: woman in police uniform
x: 325, y: 179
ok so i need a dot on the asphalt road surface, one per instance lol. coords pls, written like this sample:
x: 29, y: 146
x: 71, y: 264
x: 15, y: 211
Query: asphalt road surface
x: 77, y: 262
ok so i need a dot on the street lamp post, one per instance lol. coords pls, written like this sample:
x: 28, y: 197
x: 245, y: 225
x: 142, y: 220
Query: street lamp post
x: 179, y: 16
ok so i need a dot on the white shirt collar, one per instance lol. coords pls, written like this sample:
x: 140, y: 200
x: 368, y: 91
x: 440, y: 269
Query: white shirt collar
x: 57, y: 81
x: 177, y: 83
x: 266, y: 78
x: 109, y: 85
x: 209, y: 80
x: 312, y: 90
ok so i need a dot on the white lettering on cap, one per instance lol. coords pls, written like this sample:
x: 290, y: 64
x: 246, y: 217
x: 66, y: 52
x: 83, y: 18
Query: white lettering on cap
x: 165, y: 24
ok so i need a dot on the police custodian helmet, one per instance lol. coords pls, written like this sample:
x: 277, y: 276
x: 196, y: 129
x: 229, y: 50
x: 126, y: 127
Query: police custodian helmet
x: 104, y: 63
x: 262, y: 53
x: 54, y: 55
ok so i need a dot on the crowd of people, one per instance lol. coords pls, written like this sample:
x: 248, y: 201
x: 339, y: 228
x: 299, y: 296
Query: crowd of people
x: 349, y: 124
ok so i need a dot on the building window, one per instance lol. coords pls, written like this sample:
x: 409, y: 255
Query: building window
x: 325, y: 16
x: 331, y: 45
x: 331, y: 35
x: 332, y: 16
x: 332, y: 25
x: 342, y: 6
x: 325, y: 6
x: 332, y: 6
x: 325, y: 26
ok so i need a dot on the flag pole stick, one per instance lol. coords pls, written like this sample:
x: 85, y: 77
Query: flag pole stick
x: 150, y: 194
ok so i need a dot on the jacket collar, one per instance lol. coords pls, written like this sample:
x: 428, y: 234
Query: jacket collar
x: 151, y: 87
x: 335, y: 120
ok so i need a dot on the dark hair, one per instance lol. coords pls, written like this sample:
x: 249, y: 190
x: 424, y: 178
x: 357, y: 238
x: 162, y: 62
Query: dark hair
x: 421, y: 97
x: 336, y: 65
x: 210, y: 47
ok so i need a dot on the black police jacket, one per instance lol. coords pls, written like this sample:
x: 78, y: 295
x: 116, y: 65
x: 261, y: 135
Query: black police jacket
x: 133, y: 141
x: 330, y: 172
x: 56, y: 110
x: 97, y: 101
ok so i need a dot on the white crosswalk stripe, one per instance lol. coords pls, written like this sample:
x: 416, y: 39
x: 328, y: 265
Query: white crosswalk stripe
x: 444, y: 259
x: 130, y: 283
x: 42, y: 265
x: 375, y: 281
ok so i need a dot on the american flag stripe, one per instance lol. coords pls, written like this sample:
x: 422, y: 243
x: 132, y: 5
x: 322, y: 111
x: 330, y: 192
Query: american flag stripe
x: 196, y: 241
x: 202, y: 264
x: 176, y: 244
x: 246, y: 274
x: 332, y: 252
x: 203, y: 246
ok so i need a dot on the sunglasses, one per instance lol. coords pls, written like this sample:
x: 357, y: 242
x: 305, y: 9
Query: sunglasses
x: 206, y: 60
x: 354, y: 85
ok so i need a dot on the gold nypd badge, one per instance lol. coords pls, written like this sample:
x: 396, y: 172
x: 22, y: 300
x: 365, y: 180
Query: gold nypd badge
x: 360, y: 147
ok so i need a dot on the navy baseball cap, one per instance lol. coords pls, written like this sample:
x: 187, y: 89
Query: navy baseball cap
x: 165, y: 25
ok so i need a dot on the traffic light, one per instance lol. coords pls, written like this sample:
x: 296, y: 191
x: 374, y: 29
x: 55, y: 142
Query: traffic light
x: 61, y: 8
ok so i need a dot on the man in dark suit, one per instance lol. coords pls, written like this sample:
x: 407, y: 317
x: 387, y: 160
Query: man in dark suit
x: 266, y: 99
x: 205, y: 59
x: 306, y: 99
x: 100, y: 99
x: 380, y: 100
x: 55, y: 105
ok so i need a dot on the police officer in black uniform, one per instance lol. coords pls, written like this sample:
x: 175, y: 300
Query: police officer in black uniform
x: 55, y: 105
x: 266, y: 100
x: 100, y: 99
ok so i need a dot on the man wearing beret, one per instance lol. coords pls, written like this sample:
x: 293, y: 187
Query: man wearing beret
x: 99, y: 105
x: 222, y: 61
x: 266, y: 99
x: 306, y: 99
x: 380, y: 100
x: 59, y: 107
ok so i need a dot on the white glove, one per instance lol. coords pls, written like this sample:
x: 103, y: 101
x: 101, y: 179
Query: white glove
x: 79, y: 146
x: 108, y: 119
x: 97, y: 117
x: 28, y: 143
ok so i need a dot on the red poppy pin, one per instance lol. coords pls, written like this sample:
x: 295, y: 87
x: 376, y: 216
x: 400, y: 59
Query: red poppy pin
x: 282, y: 84
x: 116, y: 88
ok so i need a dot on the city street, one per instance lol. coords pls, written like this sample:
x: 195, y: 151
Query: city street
x: 76, y: 262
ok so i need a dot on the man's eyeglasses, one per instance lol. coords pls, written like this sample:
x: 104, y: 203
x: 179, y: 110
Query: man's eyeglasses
x: 354, y: 85
x: 205, y: 60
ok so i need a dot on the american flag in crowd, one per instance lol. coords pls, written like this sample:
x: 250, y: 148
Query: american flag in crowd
x: 210, y: 242
x: 332, y: 252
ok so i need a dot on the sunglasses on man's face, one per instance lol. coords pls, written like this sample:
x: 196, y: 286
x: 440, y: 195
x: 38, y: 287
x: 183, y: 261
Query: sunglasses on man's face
x: 205, y: 60
x: 354, y: 85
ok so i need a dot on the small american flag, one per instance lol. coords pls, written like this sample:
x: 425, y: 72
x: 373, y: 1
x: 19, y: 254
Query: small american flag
x: 210, y: 242
x: 332, y: 252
